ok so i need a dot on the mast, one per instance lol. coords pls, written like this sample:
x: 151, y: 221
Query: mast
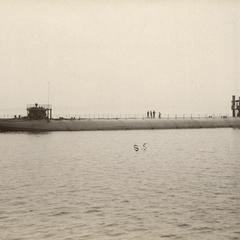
x: 49, y: 109
x: 48, y: 92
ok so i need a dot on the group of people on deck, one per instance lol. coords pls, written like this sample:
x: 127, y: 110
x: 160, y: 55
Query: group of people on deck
x: 152, y: 114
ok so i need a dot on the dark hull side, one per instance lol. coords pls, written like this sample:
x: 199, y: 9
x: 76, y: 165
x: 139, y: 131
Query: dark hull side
x: 114, y: 124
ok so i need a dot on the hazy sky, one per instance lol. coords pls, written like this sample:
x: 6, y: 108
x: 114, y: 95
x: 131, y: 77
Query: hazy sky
x: 120, y: 56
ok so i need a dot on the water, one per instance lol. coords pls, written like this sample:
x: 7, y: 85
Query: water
x: 94, y: 185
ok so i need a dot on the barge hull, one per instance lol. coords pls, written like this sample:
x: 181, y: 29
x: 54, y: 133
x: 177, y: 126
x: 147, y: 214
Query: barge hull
x: 114, y: 124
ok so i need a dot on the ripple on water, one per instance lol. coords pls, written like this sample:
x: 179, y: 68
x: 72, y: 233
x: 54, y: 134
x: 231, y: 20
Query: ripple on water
x: 93, y: 186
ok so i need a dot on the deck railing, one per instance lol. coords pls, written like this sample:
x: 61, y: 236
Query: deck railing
x: 46, y: 106
x: 124, y: 116
x: 140, y: 116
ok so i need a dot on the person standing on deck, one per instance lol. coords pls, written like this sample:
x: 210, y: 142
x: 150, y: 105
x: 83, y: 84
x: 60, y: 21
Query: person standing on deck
x: 150, y: 114
x: 159, y: 115
x: 147, y: 114
x: 154, y: 113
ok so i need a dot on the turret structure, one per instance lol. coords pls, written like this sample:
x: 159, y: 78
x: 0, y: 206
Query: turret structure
x: 37, y: 112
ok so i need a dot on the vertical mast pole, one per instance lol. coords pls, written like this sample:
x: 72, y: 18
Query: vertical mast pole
x: 48, y: 101
x: 48, y: 91
x: 233, y: 106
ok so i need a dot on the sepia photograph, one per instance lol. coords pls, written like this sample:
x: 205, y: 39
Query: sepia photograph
x: 119, y: 120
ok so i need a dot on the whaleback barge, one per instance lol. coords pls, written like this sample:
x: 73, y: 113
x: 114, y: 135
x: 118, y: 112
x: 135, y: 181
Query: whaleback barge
x: 39, y: 118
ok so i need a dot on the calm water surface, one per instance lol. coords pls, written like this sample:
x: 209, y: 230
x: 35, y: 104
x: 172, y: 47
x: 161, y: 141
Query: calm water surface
x: 94, y: 185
